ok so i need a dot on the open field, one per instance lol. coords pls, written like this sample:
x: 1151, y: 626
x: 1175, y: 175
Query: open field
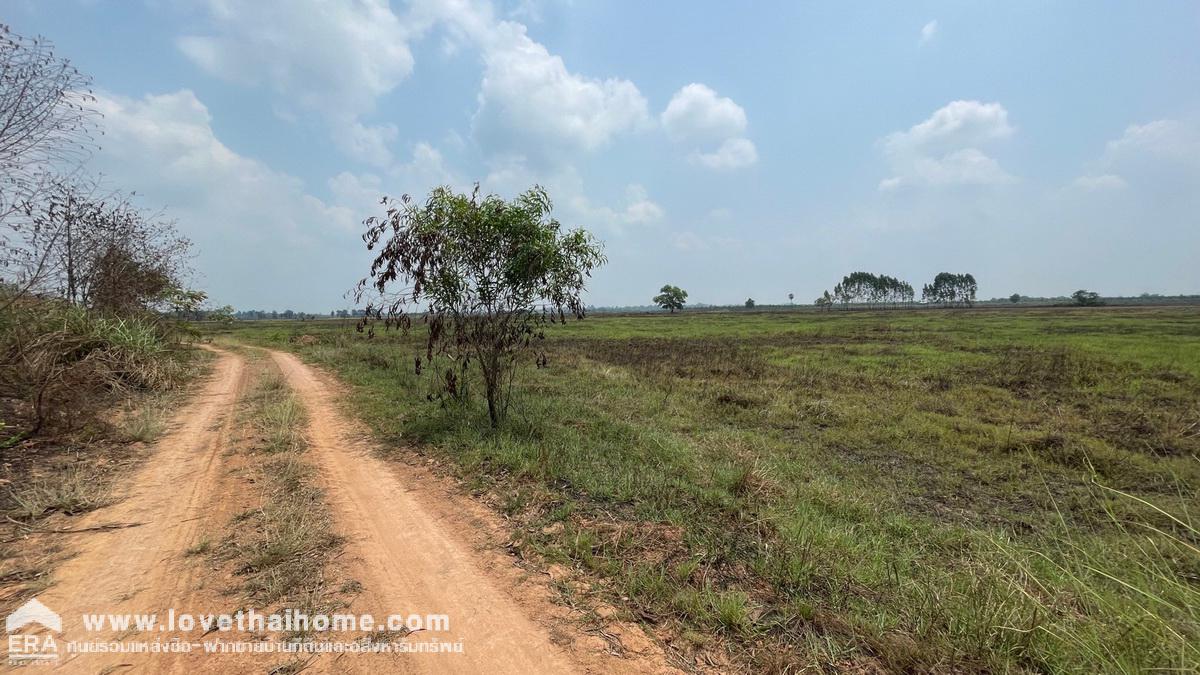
x: 931, y: 490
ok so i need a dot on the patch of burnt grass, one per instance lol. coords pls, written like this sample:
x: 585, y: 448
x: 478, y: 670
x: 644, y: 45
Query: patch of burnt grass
x: 690, y: 358
x: 805, y: 489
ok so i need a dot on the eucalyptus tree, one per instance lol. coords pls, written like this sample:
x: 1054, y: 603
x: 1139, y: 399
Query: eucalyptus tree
x: 951, y: 289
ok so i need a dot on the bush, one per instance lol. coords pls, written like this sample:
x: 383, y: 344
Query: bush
x: 57, y: 358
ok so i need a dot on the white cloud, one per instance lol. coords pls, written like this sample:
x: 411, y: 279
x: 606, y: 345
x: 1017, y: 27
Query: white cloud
x: 928, y: 31
x: 734, y: 153
x: 1161, y: 139
x: 335, y: 58
x: 697, y: 114
x: 1105, y: 181
x: 572, y: 204
x: 529, y: 102
x: 956, y: 124
x: 942, y: 150
x: 424, y: 171
x: 641, y: 209
x: 331, y: 56
x: 367, y: 143
x: 248, y: 220
x: 1162, y: 156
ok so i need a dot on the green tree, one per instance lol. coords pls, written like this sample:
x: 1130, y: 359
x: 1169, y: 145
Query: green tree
x: 671, y: 297
x: 1014, y: 298
x: 951, y: 289
x: 223, y: 314
x: 484, y: 274
x: 1086, y: 298
x: 749, y: 303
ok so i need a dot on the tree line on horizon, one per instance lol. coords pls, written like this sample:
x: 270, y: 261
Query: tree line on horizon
x: 863, y: 288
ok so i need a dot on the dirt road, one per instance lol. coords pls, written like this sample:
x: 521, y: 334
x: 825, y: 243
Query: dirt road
x: 412, y: 547
x: 408, y: 560
x: 143, y: 567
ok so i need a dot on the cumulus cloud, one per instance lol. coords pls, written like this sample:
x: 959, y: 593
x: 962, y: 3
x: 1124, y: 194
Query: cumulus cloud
x: 640, y: 210
x: 332, y: 56
x: 529, y: 101
x: 734, y: 153
x: 696, y: 113
x: 928, y: 31
x: 368, y: 143
x: 1169, y: 140
x: 425, y: 170
x: 258, y: 223
x: 1161, y: 155
x: 335, y: 58
x: 572, y: 204
x: 943, y: 149
x: 957, y: 124
x: 698, y: 116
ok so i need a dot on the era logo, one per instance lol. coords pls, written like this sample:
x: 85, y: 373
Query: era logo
x: 26, y: 648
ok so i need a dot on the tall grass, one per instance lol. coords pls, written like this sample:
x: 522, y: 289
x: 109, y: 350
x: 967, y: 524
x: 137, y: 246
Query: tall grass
x: 62, y: 360
x: 1149, y: 584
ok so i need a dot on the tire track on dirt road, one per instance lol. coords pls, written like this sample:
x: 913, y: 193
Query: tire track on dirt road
x: 146, y: 569
x: 411, y: 558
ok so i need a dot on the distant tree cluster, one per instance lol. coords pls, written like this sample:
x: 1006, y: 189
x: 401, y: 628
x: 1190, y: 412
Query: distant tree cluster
x: 864, y: 287
x: 262, y: 315
x: 951, y: 290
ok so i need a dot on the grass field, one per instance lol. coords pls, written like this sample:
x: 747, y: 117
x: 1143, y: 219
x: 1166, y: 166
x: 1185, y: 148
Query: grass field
x: 917, y: 490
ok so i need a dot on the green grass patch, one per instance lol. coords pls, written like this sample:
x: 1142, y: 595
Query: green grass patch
x: 988, y: 490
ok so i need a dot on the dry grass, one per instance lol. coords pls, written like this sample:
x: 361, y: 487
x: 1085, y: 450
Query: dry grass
x: 282, y: 547
x: 75, y: 490
x: 915, y: 491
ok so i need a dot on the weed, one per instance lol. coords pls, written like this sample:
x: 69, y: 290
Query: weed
x: 201, y: 547
x: 73, y: 491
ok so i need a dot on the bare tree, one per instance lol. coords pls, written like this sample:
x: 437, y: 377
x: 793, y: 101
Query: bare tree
x: 47, y: 129
x: 98, y: 250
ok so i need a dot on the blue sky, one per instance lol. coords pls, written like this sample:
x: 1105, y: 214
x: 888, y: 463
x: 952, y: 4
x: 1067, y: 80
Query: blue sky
x: 735, y: 149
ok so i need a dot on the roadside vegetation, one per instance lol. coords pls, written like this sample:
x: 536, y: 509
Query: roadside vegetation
x: 968, y: 490
x: 92, y: 297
